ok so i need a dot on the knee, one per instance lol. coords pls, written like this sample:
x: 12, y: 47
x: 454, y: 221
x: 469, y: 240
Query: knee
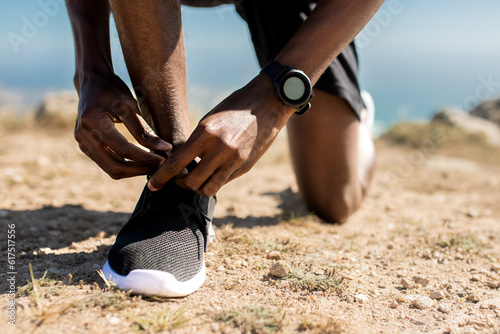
x: 336, y: 207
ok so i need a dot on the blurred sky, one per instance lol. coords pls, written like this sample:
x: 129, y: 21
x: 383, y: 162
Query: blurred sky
x: 415, y: 56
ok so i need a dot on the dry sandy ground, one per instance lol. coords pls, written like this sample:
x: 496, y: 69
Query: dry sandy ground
x: 429, y: 228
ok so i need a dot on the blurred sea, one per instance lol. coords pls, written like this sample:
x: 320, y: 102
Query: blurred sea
x: 415, y: 57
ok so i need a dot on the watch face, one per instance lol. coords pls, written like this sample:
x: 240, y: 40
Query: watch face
x: 294, y: 88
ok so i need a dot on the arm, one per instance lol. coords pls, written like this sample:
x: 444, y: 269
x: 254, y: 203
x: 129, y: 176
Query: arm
x: 232, y: 137
x: 105, y: 99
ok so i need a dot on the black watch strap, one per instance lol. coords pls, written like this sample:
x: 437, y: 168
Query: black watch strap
x: 275, y: 70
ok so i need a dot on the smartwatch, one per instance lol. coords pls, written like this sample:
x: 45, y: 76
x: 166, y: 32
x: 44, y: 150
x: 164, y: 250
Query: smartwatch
x: 293, y: 88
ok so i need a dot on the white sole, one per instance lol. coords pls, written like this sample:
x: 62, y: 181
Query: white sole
x: 149, y: 282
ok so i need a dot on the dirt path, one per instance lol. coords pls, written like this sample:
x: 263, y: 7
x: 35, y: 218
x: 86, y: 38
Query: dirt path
x: 421, y: 255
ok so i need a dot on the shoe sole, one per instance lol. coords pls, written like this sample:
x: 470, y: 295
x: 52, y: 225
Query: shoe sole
x: 149, y: 282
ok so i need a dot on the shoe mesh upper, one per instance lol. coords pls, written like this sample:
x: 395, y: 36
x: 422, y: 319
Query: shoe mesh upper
x: 166, y: 232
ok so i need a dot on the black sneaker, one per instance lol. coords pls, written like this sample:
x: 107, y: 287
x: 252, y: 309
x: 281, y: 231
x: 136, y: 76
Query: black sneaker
x: 160, y: 250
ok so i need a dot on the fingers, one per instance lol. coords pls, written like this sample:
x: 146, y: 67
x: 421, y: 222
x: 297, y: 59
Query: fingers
x: 174, y: 165
x: 139, y: 128
x: 123, y: 148
x: 199, y: 175
x: 108, y: 161
x: 215, y: 182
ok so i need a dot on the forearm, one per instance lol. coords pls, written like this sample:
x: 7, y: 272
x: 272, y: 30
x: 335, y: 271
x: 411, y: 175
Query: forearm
x: 90, y: 24
x: 332, y: 25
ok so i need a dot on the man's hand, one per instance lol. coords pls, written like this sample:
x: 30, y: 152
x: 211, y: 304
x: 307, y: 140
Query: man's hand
x: 105, y: 100
x: 229, y: 140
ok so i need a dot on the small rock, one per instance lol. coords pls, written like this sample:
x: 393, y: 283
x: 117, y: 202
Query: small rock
x: 437, y: 295
x: 280, y: 269
x: 492, y: 284
x: 390, y: 246
x: 231, y: 272
x: 238, y: 263
x: 114, y: 320
x: 473, y: 298
x: 360, y: 298
x: 406, y: 284
x: 274, y: 255
x: 495, y: 267
x: 394, y: 304
x: 423, y: 282
x: 462, y: 293
x: 475, y: 278
x: 444, y: 307
x: 244, y: 264
x: 400, y: 299
x: 423, y: 303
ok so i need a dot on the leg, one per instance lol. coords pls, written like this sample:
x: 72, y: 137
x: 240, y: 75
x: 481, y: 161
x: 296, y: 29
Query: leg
x: 325, y: 145
x: 151, y: 36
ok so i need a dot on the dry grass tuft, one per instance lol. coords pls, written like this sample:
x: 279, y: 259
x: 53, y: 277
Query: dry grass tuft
x: 163, y: 320
x: 251, y: 319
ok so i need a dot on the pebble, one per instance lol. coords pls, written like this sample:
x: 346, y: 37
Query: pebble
x: 394, y: 304
x: 280, y: 269
x: 274, y: 255
x: 406, y: 284
x: 436, y: 294
x: 492, y: 284
x: 400, y: 299
x: 423, y: 282
x: 473, y: 298
x: 423, y: 303
x: 475, y: 278
x: 238, y: 263
x: 462, y: 293
x: 496, y: 267
x: 114, y: 320
x: 444, y: 307
x: 360, y: 298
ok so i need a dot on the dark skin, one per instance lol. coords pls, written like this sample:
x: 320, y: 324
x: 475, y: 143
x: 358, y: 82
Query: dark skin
x: 231, y: 138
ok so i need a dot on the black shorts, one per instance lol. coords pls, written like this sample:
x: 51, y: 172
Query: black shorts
x: 272, y: 23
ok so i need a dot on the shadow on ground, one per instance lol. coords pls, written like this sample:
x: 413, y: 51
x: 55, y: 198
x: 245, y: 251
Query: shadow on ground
x: 86, y: 236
